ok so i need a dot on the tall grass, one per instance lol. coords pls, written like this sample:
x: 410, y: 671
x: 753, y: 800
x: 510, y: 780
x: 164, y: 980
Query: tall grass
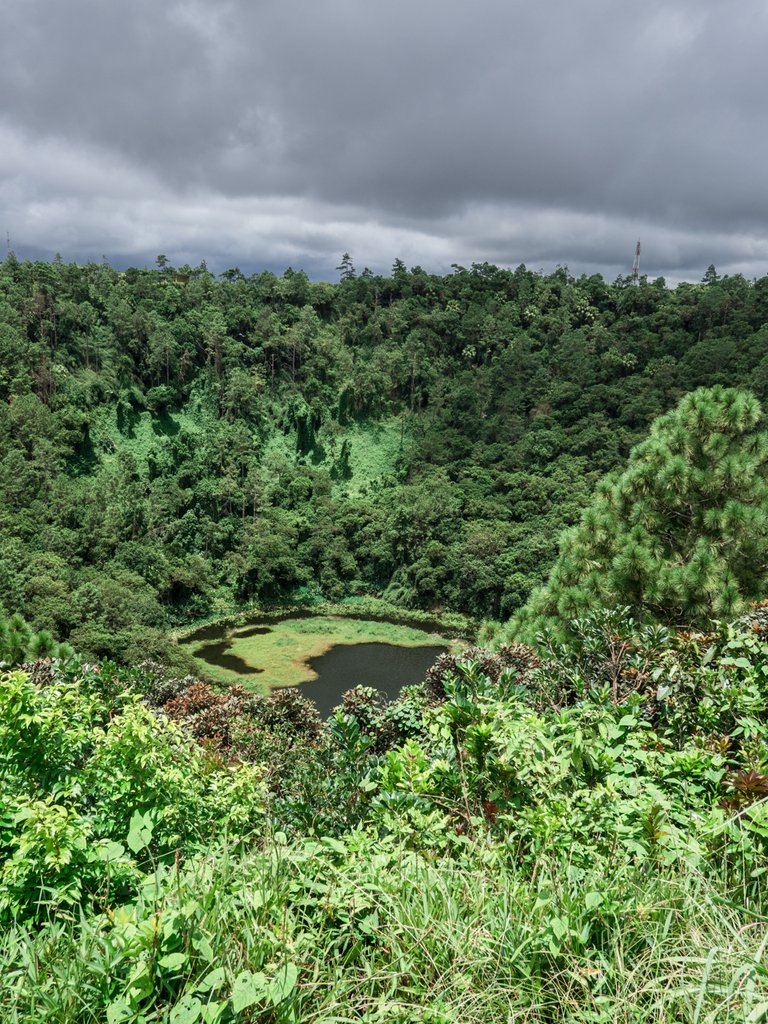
x: 387, y: 935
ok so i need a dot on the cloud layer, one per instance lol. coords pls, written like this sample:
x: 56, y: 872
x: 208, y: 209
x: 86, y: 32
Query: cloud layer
x: 282, y: 133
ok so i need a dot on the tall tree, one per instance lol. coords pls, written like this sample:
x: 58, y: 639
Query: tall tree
x: 681, y: 536
x: 346, y: 268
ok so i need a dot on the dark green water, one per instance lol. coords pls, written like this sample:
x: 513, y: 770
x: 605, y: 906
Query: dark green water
x: 386, y: 667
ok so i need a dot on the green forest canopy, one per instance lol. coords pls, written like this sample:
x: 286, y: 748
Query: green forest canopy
x: 177, y: 443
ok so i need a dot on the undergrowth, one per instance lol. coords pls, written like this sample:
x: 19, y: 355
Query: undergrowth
x: 366, y: 930
x: 573, y: 834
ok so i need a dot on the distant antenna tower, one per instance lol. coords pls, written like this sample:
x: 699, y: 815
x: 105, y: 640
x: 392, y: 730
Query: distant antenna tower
x: 636, y: 264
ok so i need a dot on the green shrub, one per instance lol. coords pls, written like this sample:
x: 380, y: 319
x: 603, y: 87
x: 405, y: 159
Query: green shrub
x: 91, y: 793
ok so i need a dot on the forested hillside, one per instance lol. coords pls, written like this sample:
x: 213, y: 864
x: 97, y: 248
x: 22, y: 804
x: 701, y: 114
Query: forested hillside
x: 176, y: 444
x: 572, y: 832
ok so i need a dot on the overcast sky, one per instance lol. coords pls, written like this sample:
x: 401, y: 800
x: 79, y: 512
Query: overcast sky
x: 269, y: 133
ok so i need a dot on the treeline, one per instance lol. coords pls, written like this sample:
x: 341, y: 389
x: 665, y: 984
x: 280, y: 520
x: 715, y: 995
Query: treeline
x: 175, y: 443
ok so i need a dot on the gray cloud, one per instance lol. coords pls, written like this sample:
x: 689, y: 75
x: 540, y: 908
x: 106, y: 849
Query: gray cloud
x: 275, y: 132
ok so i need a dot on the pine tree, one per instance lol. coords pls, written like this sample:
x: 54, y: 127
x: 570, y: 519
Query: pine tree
x: 346, y: 268
x: 681, y: 536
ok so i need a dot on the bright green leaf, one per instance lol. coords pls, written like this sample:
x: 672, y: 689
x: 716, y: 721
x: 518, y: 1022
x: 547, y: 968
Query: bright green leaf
x: 187, y: 1011
x: 139, y: 831
x: 283, y: 983
x: 173, y: 961
x: 212, y: 980
x: 118, y: 1012
x: 592, y: 900
x: 248, y: 989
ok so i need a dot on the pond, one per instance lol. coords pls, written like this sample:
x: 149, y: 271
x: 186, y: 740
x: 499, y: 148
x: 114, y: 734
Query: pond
x: 324, y: 655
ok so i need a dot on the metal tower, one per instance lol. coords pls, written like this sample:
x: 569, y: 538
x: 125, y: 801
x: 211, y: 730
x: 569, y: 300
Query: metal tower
x: 636, y: 264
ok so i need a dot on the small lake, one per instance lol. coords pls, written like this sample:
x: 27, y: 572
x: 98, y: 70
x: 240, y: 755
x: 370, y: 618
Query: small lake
x: 386, y: 667
x: 323, y: 655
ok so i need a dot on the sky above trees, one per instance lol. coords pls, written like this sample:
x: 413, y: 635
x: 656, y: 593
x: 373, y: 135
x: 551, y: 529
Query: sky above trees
x: 281, y: 133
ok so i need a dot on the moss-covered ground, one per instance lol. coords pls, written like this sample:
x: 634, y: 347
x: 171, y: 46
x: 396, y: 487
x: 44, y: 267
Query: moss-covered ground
x: 375, y: 448
x: 136, y: 433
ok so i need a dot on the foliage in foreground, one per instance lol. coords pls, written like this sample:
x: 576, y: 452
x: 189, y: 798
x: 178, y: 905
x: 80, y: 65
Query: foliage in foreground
x: 364, y: 930
x: 578, y: 834
x: 95, y: 788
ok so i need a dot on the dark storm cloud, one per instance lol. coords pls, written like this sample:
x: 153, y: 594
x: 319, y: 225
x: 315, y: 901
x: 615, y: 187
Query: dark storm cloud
x: 280, y: 132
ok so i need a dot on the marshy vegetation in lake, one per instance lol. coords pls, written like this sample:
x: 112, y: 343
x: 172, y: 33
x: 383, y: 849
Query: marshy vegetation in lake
x: 324, y: 654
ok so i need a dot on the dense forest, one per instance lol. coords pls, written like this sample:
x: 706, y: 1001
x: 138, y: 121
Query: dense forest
x: 568, y: 825
x: 176, y: 444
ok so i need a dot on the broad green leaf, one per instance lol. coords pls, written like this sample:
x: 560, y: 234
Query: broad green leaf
x: 118, y: 1012
x: 173, y: 961
x: 139, y: 831
x: 592, y: 900
x: 248, y: 989
x: 212, y: 980
x: 139, y: 983
x: 203, y: 946
x: 334, y: 844
x: 735, y: 663
x: 283, y: 983
x: 109, y: 851
x: 559, y: 927
x: 187, y: 1011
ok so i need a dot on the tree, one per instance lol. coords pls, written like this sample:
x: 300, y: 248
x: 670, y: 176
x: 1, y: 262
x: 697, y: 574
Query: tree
x: 19, y: 644
x: 161, y: 352
x: 681, y: 536
x: 346, y: 267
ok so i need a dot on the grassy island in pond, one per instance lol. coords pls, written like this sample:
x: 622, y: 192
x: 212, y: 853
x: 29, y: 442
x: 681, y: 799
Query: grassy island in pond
x: 264, y: 654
